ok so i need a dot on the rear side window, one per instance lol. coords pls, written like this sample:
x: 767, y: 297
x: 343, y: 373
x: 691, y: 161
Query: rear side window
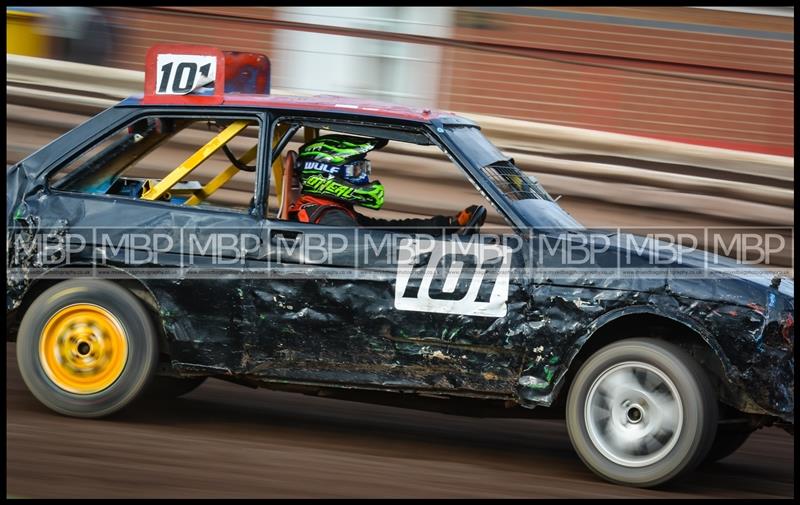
x: 171, y: 159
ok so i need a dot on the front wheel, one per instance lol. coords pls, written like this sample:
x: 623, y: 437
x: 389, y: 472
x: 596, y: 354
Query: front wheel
x: 641, y: 412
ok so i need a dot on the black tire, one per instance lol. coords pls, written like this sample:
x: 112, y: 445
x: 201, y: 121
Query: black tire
x: 136, y: 331
x: 655, y: 393
x: 165, y: 388
x: 728, y: 439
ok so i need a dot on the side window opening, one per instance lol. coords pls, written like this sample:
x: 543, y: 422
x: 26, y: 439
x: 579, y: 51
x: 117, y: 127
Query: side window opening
x: 419, y: 178
x: 187, y: 161
x: 513, y: 182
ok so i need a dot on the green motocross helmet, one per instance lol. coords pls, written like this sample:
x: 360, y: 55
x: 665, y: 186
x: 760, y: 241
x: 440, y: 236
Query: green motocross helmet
x: 335, y: 166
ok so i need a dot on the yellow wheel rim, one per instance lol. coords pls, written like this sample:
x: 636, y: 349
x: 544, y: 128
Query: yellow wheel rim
x: 83, y: 348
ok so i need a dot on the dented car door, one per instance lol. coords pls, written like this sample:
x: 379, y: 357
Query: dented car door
x: 378, y: 307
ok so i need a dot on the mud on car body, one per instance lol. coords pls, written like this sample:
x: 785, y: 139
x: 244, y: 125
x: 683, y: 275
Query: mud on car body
x: 655, y: 374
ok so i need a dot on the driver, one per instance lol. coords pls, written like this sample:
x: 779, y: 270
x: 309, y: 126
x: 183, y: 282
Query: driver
x: 334, y: 174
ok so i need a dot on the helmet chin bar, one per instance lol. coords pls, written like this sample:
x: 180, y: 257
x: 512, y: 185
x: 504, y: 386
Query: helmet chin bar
x: 368, y: 195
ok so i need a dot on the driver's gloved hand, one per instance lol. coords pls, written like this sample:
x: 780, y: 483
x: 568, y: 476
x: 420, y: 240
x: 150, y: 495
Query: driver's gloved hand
x: 463, y: 217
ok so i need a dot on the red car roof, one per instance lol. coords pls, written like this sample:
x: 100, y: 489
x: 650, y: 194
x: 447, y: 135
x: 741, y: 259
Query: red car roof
x: 242, y: 78
x: 326, y: 103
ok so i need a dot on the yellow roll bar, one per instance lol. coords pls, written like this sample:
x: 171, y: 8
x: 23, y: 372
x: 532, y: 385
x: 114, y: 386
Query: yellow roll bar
x: 195, y: 160
x: 223, y: 177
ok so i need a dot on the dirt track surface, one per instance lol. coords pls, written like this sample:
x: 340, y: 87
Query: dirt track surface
x: 224, y: 440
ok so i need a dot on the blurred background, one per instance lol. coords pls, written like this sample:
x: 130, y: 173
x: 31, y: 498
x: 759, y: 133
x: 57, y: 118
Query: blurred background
x: 712, y: 76
x: 635, y: 116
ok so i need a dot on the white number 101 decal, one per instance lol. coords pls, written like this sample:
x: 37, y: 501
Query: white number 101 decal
x: 471, y: 279
x: 179, y: 74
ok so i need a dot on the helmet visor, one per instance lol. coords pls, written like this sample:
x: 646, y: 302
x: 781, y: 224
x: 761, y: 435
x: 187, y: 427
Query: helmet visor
x: 358, y: 172
x: 360, y: 168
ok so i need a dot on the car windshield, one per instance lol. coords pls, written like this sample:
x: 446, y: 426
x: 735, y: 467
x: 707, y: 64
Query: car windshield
x: 522, y: 191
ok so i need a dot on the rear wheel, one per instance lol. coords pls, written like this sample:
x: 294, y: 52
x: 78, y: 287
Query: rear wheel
x: 86, y: 348
x: 641, y: 412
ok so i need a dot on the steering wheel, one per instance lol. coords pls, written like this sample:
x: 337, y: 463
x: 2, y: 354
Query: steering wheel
x: 474, y: 224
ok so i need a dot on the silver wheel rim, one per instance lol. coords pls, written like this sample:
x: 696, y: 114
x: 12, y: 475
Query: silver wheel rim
x: 634, y: 414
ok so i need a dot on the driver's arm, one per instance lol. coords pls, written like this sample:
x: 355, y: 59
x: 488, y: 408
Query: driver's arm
x: 424, y: 224
x: 451, y: 224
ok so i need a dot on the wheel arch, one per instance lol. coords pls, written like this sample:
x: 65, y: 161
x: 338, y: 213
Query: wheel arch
x: 128, y: 281
x: 647, y: 321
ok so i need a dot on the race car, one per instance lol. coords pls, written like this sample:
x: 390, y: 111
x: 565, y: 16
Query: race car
x: 131, y: 273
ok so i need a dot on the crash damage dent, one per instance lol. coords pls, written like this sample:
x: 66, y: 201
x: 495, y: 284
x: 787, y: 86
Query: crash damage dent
x: 372, y: 342
x: 27, y: 246
x: 747, y: 332
x: 26, y: 187
x: 297, y: 330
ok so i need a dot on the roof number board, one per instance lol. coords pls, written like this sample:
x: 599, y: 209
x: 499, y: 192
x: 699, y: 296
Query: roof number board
x: 179, y: 74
